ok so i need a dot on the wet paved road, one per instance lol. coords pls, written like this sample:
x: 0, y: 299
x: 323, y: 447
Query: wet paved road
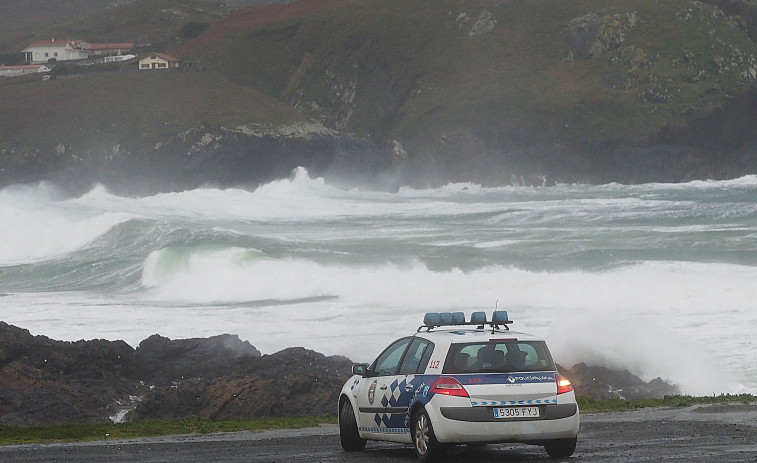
x: 708, y: 434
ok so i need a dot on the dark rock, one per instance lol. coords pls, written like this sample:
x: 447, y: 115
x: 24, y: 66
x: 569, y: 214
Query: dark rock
x: 602, y: 383
x: 294, y: 381
x: 616, y: 80
x: 593, y: 34
x: 208, y: 156
x: 45, y: 382
x: 162, y: 361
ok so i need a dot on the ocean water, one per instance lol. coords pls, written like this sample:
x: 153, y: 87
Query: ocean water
x: 660, y: 279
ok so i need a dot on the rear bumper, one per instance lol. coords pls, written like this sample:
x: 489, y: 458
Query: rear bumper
x: 484, y: 414
x: 477, y: 424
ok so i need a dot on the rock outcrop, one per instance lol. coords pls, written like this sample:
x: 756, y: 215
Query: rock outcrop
x: 160, y: 361
x: 593, y: 34
x: 295, y: 381
x: 244, y: 156
x: 602, y: 383
x: 45, y: 382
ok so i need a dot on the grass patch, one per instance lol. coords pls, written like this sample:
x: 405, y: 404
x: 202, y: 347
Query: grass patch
x: 151, y: 428
x: 588, y: 404
x: 95, y: 110
x: 409, y: 68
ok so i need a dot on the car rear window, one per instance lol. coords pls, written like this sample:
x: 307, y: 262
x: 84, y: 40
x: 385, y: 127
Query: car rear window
x: 498, y: 357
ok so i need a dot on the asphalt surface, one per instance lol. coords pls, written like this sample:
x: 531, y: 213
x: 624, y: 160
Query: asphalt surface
x: 700, y: 434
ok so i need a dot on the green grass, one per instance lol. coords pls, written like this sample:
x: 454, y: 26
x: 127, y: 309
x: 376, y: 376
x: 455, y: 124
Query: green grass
x: 588, y: 404
x: 97, y: 110
x: 142, y: 21
x: 417, y: 58
x: 152, y: 428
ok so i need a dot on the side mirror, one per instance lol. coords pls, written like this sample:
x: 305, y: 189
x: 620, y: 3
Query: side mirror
x: 360, y: 369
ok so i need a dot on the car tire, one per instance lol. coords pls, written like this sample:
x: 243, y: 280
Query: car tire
x: 348, y: 434
x: 561, y: 448
x: 424, y: 441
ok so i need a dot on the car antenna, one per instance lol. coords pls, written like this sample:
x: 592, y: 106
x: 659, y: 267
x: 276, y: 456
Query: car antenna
x: 496, y: 307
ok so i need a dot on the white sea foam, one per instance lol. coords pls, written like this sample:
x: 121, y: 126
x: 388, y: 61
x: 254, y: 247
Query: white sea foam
x: 35, y: 225
x: 654, y: 278
x: 668, y: 319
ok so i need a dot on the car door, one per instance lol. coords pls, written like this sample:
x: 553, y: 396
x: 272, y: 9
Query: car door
x: 407, y: 384
x: 374, y: 393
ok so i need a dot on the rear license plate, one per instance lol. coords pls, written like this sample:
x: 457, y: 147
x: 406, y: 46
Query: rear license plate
x: 516, y: 412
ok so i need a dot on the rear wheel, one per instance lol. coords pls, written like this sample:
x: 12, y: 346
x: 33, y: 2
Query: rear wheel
x: 560, y: 448
x: 348, y: 434
x: 424, y: 441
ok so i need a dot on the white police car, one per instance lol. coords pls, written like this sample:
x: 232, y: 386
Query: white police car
x: 458, y: 382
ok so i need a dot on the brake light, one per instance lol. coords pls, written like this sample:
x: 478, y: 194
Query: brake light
x: 448, y: 386
x: 563, y: 385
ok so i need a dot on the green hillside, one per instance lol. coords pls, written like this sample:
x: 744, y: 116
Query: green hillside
x: 94, y: 112
x: 499, y: 87
x: 142, y: 21
x: 496, y: 70
x: 21, y: 20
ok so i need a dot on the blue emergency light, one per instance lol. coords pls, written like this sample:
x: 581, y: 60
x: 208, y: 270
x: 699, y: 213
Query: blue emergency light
x: 433, y: 320
x: 499, y: 317
x: 478, y: 318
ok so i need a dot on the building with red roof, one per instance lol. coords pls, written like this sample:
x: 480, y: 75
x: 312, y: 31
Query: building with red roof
x: 158, y: 61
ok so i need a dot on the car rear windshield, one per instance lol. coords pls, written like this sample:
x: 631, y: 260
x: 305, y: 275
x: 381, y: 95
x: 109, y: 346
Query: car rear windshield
x: 498, y: 357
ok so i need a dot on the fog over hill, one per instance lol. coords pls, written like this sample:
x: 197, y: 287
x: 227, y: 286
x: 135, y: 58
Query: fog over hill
x: 20, y: 20
x: 23, y: 21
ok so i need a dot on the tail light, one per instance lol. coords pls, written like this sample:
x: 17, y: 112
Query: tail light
x: 448, y: 386
x: 563, y: 385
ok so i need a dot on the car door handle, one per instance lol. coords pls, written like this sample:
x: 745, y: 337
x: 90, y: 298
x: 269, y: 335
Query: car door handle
x: 408, y: 388
x: 383, y: 388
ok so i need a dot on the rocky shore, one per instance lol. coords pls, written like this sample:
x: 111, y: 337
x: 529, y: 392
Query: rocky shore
x: 46, y: 382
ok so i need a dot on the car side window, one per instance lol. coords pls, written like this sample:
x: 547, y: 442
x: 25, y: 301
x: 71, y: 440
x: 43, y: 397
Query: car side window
x: 417, y: 356
x: 389, y: 361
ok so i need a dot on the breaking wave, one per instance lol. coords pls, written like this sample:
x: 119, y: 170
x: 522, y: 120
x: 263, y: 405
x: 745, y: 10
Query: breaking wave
x: 655, y: 278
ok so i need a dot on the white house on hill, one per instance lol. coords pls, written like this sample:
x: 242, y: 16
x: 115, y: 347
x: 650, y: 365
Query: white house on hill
x: 60, y: 50
x: 158, y: 61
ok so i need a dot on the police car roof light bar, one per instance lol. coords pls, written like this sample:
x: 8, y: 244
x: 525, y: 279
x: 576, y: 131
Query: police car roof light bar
x: 433, y: 320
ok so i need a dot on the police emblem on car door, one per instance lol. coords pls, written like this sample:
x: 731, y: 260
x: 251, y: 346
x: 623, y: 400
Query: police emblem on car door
x: 392, y: 389
x: 373, y: 397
